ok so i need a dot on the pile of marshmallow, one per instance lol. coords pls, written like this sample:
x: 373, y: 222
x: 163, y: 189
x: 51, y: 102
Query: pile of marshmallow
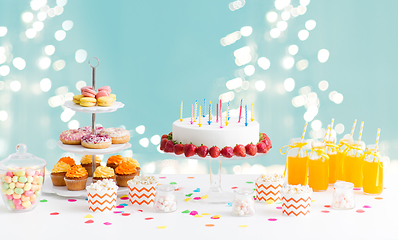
x: 166, y: 203
x: 296, y: 189
x: 271, y: 178
x: 143, y: 180
x: 243, y: 207
x: 343, y: 200
x: 102, y: 185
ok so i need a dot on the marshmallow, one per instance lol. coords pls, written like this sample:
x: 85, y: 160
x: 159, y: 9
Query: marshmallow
x: 271, y: 178
x: 143, y: 180
x: 102, y: 185
x: 296, y: 189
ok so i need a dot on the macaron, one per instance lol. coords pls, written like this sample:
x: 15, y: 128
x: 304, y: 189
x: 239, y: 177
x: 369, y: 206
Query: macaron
x: 102, y: 94
x: 86, y: 87
x: 113, y: 96
x: 105, y: 101
x: 87, y: 101
x: 105, y: 88
x: 76, y: 99
x: 88, y: 92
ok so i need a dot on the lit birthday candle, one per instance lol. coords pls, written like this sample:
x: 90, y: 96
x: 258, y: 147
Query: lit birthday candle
x: 226, y: 117
x: 191, y: 114
x: 240, y: 111
x: 200, y: 110
x: 251, y: 111
x: 181, y: 112
x: 246, y: 115
x: 220, y: 114
x: 209, y: 113
x: 217, y: 112
x: 204, y: 107
x: 196, y: 107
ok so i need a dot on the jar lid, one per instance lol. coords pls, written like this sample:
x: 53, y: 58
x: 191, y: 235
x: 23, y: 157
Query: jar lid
x: 318, y: 144
x: 22, y: 159
x: 165, y: 187
x: 244, y: 191
x: 343, y: 185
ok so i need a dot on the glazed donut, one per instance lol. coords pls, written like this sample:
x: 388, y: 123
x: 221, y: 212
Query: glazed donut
x: 118, y: 135
x: 88, y: 129
x: 96, y: 141
x: 71, y: 136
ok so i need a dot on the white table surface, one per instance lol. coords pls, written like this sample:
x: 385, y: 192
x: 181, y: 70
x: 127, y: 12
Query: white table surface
x: 378, y: 222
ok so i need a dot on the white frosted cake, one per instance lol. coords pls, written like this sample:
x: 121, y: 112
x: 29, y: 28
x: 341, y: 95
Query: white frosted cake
x: 213, y: 135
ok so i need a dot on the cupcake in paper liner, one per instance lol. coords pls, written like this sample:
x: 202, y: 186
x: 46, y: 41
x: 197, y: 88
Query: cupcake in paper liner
x: 102, y: 196
x: 268, y: 187
x: 59, y: 171
x: 296, y: 200
x: 87, y: 163
x: 142, y: 190
x: 126, y: 171
x: 76, y: 178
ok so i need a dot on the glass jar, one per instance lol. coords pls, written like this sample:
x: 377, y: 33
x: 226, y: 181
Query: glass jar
x: 372, y: 171
x: 165, y: 200
x: 331, y: 151
x: 243, y: 204
x: 21, y: 180
x: 353, y: 160
x: 318, y: 167
x: 343, y: 196
x: 341, y: 147
x: 297, y: 162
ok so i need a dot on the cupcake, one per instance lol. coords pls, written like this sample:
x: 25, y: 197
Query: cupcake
x: 114, y: 161
x: 60, y: 169
x: 76, y: 178
x: 126, y: 171
x: 87, y: 163
x: 133, y: 161
x: 102, y: 173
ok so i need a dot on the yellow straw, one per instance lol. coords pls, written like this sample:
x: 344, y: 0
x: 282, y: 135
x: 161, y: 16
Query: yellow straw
x: 326, y: 134
x: 331, y: 128
x: 360, y: 132
x: 353, y: 128
x: 181, y: 112
x: 305, y: 129
x: 377, y: 138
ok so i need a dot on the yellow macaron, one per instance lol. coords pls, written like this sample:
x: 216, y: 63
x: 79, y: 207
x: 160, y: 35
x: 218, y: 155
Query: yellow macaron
x: 87, y: 102
x: 113, y: 96
x: 105, y: 101
x: 76, y: 98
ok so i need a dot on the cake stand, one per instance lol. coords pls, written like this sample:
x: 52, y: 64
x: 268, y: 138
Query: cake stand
x: 216, y: 194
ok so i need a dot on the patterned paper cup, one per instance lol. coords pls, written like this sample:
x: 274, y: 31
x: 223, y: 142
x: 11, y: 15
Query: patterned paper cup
x: 141, y: 194
x: 296, y: 204
x: 102, y: 201
x: 268, y: 191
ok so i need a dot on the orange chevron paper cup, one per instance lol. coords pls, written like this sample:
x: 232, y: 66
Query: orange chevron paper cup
x: 141, y: 194
x: 102, y: 201
x: 296, y: 204
x: 268, y: 191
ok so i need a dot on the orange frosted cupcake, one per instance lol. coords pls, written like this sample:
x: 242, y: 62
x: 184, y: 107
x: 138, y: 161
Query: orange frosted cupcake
x: 133, y: 161
x: 126, y: 171
x: 114, y: 161
x: 76, y: 178
x: 87, y: 163
x: 60, y: 169
x: 102, y: 173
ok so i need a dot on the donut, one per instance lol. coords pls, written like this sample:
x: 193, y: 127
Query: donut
x: 118, y: 135
x: 71, y: 136
x: 96, y: 141
x: 88, y: 129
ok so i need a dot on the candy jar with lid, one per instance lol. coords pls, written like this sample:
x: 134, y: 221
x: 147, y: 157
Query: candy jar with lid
x: 343, y: 196
x: 165, y: 200
x: 243, y: 204
x: 318, y: 167
x: 21, y: 180
x: 372, y: 171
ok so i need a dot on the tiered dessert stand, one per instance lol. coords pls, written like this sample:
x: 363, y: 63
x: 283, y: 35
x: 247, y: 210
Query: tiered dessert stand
x: 79, y: 149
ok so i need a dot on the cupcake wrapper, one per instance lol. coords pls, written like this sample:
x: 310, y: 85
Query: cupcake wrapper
x: 296, y: 204
x: 141, y: 194
x: 268, y: 191
x: 102, y: 201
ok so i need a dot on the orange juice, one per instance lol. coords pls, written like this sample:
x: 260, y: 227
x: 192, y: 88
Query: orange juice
x: 297, y: 170
x: 318, y: 177
x: 353, y: 170
x: 370, y: 178
x: 332, y: 168
x: 340, y: 174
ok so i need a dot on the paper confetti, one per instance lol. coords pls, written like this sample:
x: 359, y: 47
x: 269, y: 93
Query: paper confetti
x: 193, y: 213
x: 280, y: 208
x: 148, y: 218
x: 327, y: 206
x: 312, y: 200
x: 126, y: 214
x: 357, y: 189
x: 234, y: 187
x: 54, y: 213
x: 188, y: 195
x: 162, y: 227
x: 229, y: 204
x: 216, y: 217
x: 173, y: 183
x: 278, y: 203
x: 119, y: 206
x: 378, y: 198
x: 196, y: 198
x: 249, y: 182
x: 272, y: 219
x: 367, y: 206
x: 186, y: 211
x: 162, y: 177
x: 270, y: 201
x: 107, y: 223
x: 205, y: 213
x: 43, y: 200
x: 187, y: 199
x: 140, y: 210
x: 360, y: 211
x: 209, y: 225
x: 88, y: 216
x: 89, y: 221
x: 243, y: 226
x: 197, y: 215
x: 197, y: 190
x: 190, y: 177
x: 117, y: 211
x: 72, y: 200
x: 205, y: 196
x: 325, y: 211
x: 124, y: 198
x: 123, y: 204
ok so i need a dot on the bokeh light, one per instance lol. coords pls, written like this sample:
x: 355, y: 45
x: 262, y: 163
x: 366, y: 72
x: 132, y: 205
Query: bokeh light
x: 323, y: 85
x: 27, y: 17
x: 303, y: 35
x: 275, y: 33
x: 140, y: 129
x: 45, y: 84
x: 249, y: 70
x: 281, y: 25
x: 4, y: 70
x: 15, y: 86
x: 264, y: 63
x: 289, y: 84
x: 31, y: 33
x: 288, y: 62
x: 144, y: 142
x: 323, y: 55
x: 38, y: 26
x: 260, y: 85
x: 3, y: 115
x: 67, y: 25
x: 302, y: 64
x: 155, y: 139
x: 59, y: 65
x: 60, y: 35
x: 19, y: 63
x: 73, y: 124
x: 44, y: 62
x: 80, y: 55
x: 293, y: 49
x: 310, y: 25
x: 49, y: 50
x: 246, y: 31
x: 316, y: 125
x: 272, y: 17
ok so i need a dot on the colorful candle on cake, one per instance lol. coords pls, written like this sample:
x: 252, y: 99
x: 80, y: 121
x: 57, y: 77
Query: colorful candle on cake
x: 200, y: 110
x: 191, y: 114
x: 204, y: 107
x: 196, y: 107
x: 209, y: 113
x: 217, y: 112
x: 251, y: 111
x: 226, y: 117
x: 240, y: 111
x: 181, y: 112
x: 220, y: 114
x: 246, y: 115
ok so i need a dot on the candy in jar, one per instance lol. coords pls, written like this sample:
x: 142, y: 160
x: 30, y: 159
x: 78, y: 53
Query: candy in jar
x: 243, y: 204
x: 165, y: 200
x: 343, y: 196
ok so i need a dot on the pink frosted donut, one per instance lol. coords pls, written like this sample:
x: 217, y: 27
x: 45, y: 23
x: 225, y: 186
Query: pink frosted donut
x: 71, y: 136
x: 88, y: 129
x: 96, y: 141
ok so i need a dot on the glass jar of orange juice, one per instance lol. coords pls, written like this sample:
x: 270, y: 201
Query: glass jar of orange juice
x: 297, y: 162
x: 318, y: 167
x: 353, y: 160
x: 372, y: 171
x: 331, y: 151
x: 343, y: 144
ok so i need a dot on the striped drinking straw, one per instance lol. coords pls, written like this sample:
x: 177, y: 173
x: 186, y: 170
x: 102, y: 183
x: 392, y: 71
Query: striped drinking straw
x: 326, y: 134
x: 331, y: 128
x: 377, y: 138
x: 353, y: 128
x: 360, y: 132
x: 305, y: 129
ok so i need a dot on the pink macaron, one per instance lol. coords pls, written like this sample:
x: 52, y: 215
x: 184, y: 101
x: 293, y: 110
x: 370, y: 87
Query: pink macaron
x: 105, y: 88
x: 88, y: 92
x: 102, y: 94
x: 86, y: 87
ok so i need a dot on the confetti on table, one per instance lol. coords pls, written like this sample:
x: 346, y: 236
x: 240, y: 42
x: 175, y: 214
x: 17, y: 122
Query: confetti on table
x: 280, y: 208
x: 378, y: 198
x: 357, y: 189
x: 270, y: 201
x: 197, y: 190
x: 204, y: 196
x: 360, y: 211
x: 179, y: 189
x: 187, y: 199
x: 272, y: 219
x: 88, y: 216
x: 209, y: 225
x: 190, y: 177
x: 72, y: 200
x: 328, y: 206
x: 123, y: 204
x: 367, y: 206
x: 124, y: 198
x: 234, y: 187
x: 197, y: 215
x: 196, y: 198
x: 193, y: 213
x: 89, y: 221
x: 119, y: 206
x: 162, y: 177
x: 229, y: 204
x: 54, y: 213
x: 186, y: 211
x: 107, y: 223
x: 139, y: 210
x: 43, y: 200
x: 117, y: 211
x: 126, y: 214
x: 249, y: 182
x: 173, y: 183
x: 216, y: 217
x: 325, y: 211
x: 243, y: 226
x: 312, y: 200
x: 162, y: 227
x: 278, y: 203
x: 188, y: 195
x: 148, y: 218
x: 205, y: 213
x: 86, y: 199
